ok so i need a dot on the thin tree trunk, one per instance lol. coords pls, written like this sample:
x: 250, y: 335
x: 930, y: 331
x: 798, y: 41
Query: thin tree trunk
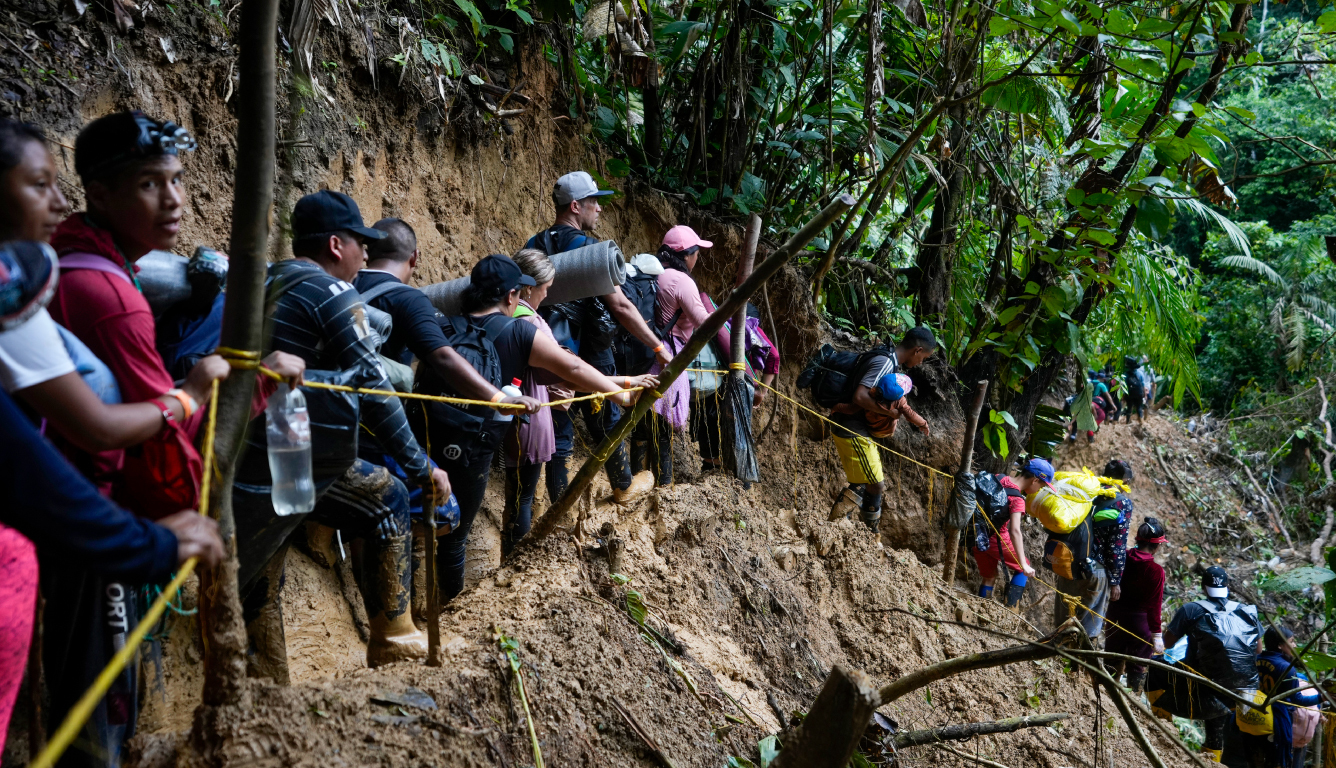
x: 970, y: 662
x: 243, y: 322
x: 952, y: 547
x: 557, y: 514
x: 738, y: 333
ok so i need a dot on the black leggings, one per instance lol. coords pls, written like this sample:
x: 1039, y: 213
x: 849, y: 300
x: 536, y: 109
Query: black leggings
x: 652, y: 442
x: 521, y: 486
x: 469, y: 484
x: 705, y: 426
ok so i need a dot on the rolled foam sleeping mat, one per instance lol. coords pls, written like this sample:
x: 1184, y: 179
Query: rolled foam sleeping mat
x: 593, y: 270
x: 162, y: 275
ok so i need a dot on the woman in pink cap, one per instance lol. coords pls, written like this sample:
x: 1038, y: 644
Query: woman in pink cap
x: 680, y: 312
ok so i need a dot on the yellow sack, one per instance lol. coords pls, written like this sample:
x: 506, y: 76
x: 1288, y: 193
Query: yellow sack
x: 1062, y: 506
x: 1249, y: 720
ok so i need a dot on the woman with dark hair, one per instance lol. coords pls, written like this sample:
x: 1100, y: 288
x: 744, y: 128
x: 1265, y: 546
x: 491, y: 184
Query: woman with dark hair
x: 681, y: 310
x: 1137, y: 610
x: 464, y: 439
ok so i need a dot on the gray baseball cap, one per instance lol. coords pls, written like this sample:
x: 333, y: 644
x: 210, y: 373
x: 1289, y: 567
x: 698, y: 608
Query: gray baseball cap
x: 576, y: 186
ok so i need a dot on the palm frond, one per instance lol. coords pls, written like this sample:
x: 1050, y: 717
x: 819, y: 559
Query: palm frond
x: 1157, y: 311
x: 1321, y: 308
x: 1256, y: 266
x: 1294, y: 356
x: 1206, y: 213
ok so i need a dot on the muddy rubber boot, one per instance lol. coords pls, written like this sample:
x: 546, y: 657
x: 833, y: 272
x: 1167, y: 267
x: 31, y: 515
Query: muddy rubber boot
x: 386, y: 584
x: 509, y: 512
x: 641, y: 485
x: 870, y: 511
x: 262, y: 610
x: 1136, y: 680
x: 851, y: 498
x: 1015, y: 591
x: 1212, y: 755
x: 320, y: 544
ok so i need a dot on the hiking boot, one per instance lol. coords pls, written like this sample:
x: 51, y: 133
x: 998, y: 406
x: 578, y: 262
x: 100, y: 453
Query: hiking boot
x: 640, y: 486
x: 850, y: 499
x: 262, y: 610
x: 386, y: 586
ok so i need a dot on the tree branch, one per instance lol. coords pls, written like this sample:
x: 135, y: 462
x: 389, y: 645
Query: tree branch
x: 963, y: 731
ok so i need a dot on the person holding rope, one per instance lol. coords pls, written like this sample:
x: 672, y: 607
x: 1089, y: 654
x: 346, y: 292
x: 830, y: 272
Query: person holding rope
x: 853, y: 441
x: 316, y: 314
x: 1137, y: 609
x: 998, y: 537
x: 1223, y: 638
x: 50, y: 508
x: 576, y: 198
x: 508, y: 348
x: 133, y: 184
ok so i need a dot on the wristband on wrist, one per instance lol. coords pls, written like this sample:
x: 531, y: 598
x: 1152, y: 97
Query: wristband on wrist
x: 658, y: 349
x: 164, y: 408
x: 499, y: 396
x: 185, y: 399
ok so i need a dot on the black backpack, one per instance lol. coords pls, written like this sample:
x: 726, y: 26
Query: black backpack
x: 1068, y: 554
x: 832, y: 376
x: 632, y: 357
x: 994, y: 498
x: 456, y: 432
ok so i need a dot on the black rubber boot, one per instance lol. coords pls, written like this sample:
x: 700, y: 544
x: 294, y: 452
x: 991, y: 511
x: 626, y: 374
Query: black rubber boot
x: 870, y: 511
x: 1014, y: 594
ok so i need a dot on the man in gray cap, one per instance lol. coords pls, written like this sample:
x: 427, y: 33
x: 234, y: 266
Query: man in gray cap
x: 576, y: 198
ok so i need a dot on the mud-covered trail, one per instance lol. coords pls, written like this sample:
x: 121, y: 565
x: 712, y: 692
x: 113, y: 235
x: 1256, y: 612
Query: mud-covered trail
x: 750, y: 606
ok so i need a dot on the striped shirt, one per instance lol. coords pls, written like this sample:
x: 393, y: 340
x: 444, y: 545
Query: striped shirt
x: 322, y: 320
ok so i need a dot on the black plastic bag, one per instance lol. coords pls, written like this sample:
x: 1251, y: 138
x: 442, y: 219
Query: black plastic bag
x: 735, y: 411
x: 1182, y: 696
x: 1225, y: 644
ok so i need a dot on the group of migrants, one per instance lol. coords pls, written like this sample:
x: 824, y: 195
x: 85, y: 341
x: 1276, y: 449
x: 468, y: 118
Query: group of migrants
x: 1085, y: 521
x: 104, y: 400
x: 1111, y: 396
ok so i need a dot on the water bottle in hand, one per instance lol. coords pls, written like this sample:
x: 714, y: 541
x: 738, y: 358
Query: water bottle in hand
x: 288, y: 429
x: 510, y: 390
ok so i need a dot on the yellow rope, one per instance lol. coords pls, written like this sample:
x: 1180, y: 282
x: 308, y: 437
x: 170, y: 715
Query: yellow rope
x: 83, y: 709
x: 249, y: 361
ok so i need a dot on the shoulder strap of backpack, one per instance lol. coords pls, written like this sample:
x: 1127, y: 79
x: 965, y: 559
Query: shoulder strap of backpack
x: 383, y: 288
x: 278, y: 287
x: 549, y: 242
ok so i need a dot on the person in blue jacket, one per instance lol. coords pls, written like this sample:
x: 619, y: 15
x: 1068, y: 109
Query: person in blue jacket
x: 1292, y: 729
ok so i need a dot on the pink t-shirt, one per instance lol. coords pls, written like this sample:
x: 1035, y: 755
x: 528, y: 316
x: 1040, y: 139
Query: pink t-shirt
x: 677, y: 291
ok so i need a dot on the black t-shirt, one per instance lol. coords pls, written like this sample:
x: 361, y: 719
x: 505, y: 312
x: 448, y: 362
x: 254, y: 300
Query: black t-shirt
x: 417, y: 328
x: 513, y: 340
x: 562, y: 238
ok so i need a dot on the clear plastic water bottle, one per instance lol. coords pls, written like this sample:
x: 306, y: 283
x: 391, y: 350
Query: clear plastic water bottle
x: 288, y: 429
x: 510, y: 390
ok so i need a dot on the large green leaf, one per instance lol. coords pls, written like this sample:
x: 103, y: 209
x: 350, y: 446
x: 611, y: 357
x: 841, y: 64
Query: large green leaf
x: 1298, y: 579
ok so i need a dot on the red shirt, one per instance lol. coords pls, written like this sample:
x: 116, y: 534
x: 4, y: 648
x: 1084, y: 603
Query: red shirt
x: 113, y: 318
x: 1143, y: 587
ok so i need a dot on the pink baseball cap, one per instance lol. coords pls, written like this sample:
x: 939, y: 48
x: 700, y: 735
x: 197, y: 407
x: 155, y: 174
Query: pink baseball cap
x: 682, y: 237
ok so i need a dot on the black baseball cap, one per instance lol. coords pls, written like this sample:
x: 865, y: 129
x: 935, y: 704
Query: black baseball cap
x: 327, y: 212
x: 1215, y: 581
x: 499, y: 274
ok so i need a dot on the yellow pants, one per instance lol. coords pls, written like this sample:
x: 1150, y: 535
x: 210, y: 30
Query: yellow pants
x: 860, y: 458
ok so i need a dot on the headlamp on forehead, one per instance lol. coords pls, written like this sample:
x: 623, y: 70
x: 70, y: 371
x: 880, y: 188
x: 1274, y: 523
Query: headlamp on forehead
x: 107, y: 143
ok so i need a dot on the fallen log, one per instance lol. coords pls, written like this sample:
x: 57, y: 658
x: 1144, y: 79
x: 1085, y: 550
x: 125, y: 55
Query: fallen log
x: 831, y: 731
x: 1047, y: 648
x: 962, y: 731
